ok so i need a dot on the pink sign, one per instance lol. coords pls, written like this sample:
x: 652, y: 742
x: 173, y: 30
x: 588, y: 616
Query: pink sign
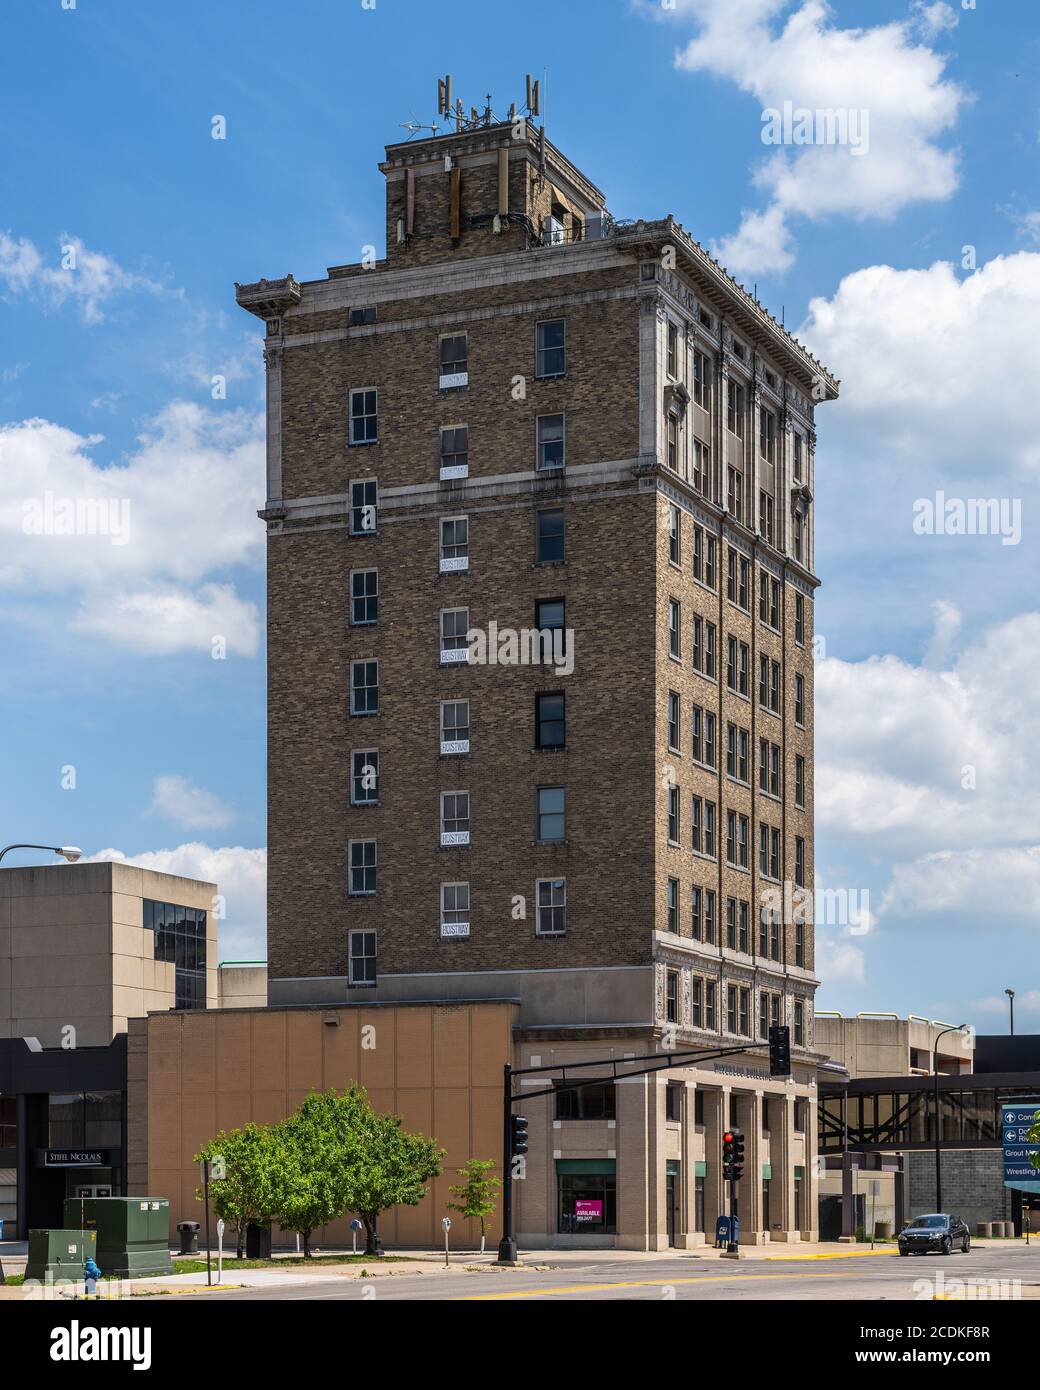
x: 588, y: 1210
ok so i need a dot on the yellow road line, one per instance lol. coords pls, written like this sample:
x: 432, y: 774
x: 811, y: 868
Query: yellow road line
x: 639, y: 1284
x: 832, y: 1255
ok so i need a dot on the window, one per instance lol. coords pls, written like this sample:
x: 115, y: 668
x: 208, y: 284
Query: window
x: 768, y: 853
x: 763, y: 1032
x: 671, y: 1011
x: 551, y: 355
x: 702, y: 374
x: 696, y: 913
x: 180, y: 940
x: 551, y: 897
x: 735, y: 492
x: 364, y: 416
x: 359, y: 317
x: 703, y: 736
x: 799, y: 700
x: 550, y: 441
x: 454, y: 818
x: 454, y: 641
x: 799, y: 780
x: 361, y: 957
x: 709, y: 1004
x: 364, y: 597
x: 454, y: 727
x: 738, y: 574
x: 799, y: 861
x: 697, y: 1002
x: 364, y: 502
x: 799, y: 445
x: 673, y: 815
x: 673, y: 350
x: 738, y: 657
x: 364, y: 777
x: 704, y: 648
x: 709, y: 916
x: 362, y: 882
x: 774, y: 604
x: 454, y: 909
x: 454, y: 544
x: 594, y: 1101
x: 674, y: 743
x: 735, y: 408
x: 731, y: 1008
x: 701, y: 467
x: 767, y: 435
x: 672, y: 438
x: 550, y: 537
x: 769, y: 600
x: 454, y: 359
x: 799, y: 619
x: 455, y: 451
x: 675, y: 628
x: 364, y: 687
x: 673, y: 1101
x: 769, y: 767
x: 737, y: 839
x: 702, y: 833
x: 551, y: 803
x: 674, y: 533
x: 798, y: 522
x: 799, y: 1023
x: 769, y: 684
x: 737, y: 752
x: 745, y: 1013
x: 673, y: 905
x: 799, y: 944
x: 550, y: 720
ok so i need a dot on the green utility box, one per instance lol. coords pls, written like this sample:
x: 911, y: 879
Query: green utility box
x: 60, y: 1254
x: 133, y: 1233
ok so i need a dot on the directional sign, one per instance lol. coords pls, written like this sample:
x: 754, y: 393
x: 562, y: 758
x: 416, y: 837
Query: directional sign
x: 1016, y: 1122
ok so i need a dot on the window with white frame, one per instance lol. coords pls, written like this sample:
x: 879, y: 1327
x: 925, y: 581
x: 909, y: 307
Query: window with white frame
x: 454, y: 818
x: 364, y: 597
x: 364, y: 506
x: 674, y: 736
x: 364, y: 416
x: 454, y: 361
x: 364, y: 777
x: 454, y: 727
x: 454, y: 544
x: 361, y: 957
x: 551, y: 804
x: 455, y: 451
x: 551, y: 355
x: 551, y: 898
x: 364, y: 687
x: 454, y: 642
x: 674, y: 533
x: 674, y: 628
x: 362, y: 882
x: 454, y: 909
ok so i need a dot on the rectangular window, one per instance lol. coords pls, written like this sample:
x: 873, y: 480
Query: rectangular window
x: 551, y: 358
x: 594, y: 1101
x: 454, y: 452
x: 702, y: 374
x: 701, y: 467
x: 799, y: 1023
x: 674, y: 628
x: 774, y: 686
x: 767, y: 435
x: 672, y: 996
x: 362, y: 868
x: 550, y: 549
x: 737, y: 839
x: 673, y: 815
x: 735, y: 408
x: 672, y: 440
x: 364, y: 505
x: 454, y: 909
x: 799, y: 780
x: 774, y: 852
x: 673, y: 905
x: 551, y: 894
x: 454, y: 641
x: 731, y: 924
x: 697, y: 1003
x: 710, y: 577
x: 735, y: 492
x: 674, y: 735
x: 709, y: 919
x: 361, y: 956
x: 709, y: 828
x: 799, y: 861
x: 364, y: 777
x: 551, y: 813
x: 454, y: 819
x: 364, y: 597
x: 766, y: 514
x: 774, y: 604
x: 364, y: 416
x: 673, y: 350
x: 454, y: 361
x: 798, y: 523
x: 731, y: 1008
x: 696, y: 824
x: 674, y: 533
x: 550, y: 720
x: 745, y: 1013
x: 454, y: 544
x: 454, y: 727
x: 799, y: 444
x: 799, y: 944
x: 364, y: 687
x: 799, y: 619
x: 550, y: 441
x: 799, y: 700
x: 696, y: 910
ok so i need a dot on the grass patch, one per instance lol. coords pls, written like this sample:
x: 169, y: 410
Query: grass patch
x: 196, y: 1266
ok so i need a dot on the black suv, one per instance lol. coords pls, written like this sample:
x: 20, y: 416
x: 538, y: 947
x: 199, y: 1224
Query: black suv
x: 936, y: 1232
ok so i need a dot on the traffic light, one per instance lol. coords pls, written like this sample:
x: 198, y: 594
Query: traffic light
x: 779, y: 1050
x: 728, y: 1150
x: 738, y: 1155
x: 519, y: 1135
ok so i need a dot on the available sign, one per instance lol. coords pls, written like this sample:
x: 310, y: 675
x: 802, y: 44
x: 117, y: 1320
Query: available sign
x: 1016, y: 1122
x: 74, y: 1158
x: 587, y: 1209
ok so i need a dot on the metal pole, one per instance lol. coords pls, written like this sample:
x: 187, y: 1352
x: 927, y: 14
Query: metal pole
x: 507, y: 1245
x: 205, y: 1200
x: 938, y: 1117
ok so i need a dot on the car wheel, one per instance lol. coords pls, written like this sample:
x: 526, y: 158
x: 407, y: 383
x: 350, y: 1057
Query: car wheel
x: 966, y: 1246
x: 904, y: 1252
x: 947, y: 1245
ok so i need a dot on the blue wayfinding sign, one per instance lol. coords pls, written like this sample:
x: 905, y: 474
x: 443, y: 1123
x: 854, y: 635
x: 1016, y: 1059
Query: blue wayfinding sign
x: 1016, y: 1122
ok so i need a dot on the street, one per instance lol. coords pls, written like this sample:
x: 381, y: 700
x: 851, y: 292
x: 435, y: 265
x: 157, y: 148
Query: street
x: 990, y: 1275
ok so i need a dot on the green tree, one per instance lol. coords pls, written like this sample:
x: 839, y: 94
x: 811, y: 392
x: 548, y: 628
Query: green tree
x: 318, y: 1144
x: 247, y: 1196
x: 476, y: 1193
x: 389, y: 1167
x: 1033, y: 1135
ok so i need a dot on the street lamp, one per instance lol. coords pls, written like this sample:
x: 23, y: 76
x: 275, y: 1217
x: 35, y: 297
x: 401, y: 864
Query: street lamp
x: 938, y: 1122
x: 69, y: 852
x: 1011, y: 1004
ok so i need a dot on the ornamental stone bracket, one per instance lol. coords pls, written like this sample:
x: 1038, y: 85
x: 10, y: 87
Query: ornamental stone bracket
x: 268, y: 299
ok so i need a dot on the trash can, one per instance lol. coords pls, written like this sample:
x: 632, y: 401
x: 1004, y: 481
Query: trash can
x: 984, y: 1229
x: 258, y: 1242
x: 189, y: 1233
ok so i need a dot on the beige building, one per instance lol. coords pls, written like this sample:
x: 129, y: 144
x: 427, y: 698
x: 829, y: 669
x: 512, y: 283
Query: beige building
x: 883, y: 1044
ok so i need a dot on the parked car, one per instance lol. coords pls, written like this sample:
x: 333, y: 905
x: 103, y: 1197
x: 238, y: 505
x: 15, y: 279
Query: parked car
x: 934, y: 1232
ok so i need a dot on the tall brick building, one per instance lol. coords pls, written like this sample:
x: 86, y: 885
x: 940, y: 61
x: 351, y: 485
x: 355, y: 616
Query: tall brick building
x: 531, y: 419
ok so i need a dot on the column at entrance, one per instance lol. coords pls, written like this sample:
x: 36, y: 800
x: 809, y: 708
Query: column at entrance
x: 642, y: 1221
x: 747, y: 1116
x: 716, y: 1193
x: 783, y: 1219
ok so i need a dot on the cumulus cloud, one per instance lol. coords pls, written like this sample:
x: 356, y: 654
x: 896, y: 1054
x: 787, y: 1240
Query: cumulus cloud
x: 241, y: 877
x: 969, y: 882
x: 74, y: 273
x: 175, y: 798
x: 777, y: 52
x: 140, y: 544
x: 838, y: 961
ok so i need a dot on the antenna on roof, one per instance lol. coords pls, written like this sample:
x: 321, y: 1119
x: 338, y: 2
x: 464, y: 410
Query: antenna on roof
x: 444, y: 95
x: 534, y: 104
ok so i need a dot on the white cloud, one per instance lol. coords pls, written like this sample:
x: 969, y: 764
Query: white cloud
x: 241, y: 877
x: 933, y: 19
x: 970, y: 882
x: 778, y: 53
x: 838, y: 961
x: 134, y: 541
x: 175, y: 798
x: 88, y: 278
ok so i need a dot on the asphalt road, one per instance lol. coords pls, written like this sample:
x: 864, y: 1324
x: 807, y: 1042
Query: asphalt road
x: 880, y: 1277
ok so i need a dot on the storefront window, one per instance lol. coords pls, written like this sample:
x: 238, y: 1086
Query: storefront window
x: 587, y: 1204
x: 593, y: 1102
x: 90, y: 1120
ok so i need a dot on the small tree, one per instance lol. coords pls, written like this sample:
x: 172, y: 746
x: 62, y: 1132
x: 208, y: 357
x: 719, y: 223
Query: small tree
x: 247, y: 1196
x: 389, y: 1167
x: 1033, y: 1135
x: 476, y: 1193
x: 316, y: 1145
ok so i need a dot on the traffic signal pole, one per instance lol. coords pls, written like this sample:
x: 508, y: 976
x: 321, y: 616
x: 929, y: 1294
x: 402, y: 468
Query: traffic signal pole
x: 507, y: 1245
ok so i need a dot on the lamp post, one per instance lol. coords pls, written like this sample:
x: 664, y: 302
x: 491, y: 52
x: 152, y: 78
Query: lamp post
x: 1011, y: 1005
x: 938, y: 1122
x: 69, y: 852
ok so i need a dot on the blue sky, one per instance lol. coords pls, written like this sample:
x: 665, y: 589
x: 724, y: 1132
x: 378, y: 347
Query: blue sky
x: 124, y: 226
